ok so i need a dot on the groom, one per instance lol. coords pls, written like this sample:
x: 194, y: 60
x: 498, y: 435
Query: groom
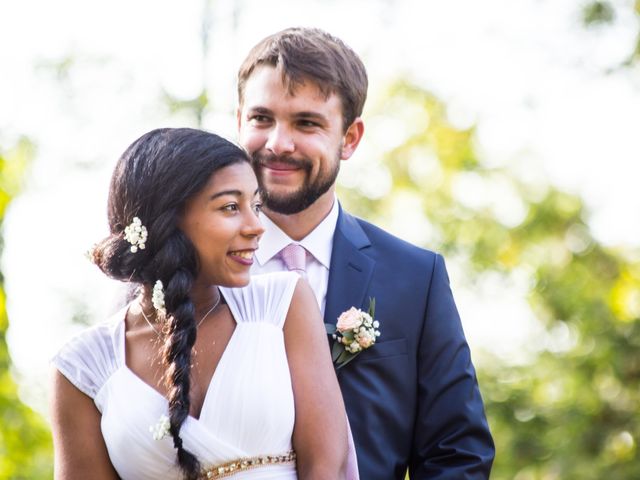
x: 412, y: 398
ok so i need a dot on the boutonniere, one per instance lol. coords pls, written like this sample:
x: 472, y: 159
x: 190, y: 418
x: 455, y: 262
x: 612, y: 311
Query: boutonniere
x: 355, y: 331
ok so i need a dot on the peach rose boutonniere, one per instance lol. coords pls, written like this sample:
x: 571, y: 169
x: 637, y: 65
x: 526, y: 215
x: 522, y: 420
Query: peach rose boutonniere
x: 355, y: 331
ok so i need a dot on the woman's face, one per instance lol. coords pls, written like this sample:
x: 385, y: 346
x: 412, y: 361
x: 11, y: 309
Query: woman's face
x: 222, y: 223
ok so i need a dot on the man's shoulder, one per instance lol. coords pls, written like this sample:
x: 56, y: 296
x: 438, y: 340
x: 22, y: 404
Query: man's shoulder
x: 384, y: 241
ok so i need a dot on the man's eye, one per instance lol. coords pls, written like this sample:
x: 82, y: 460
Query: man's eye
x: 308, y: 123
x: 257, y: 207
x: 259, y: 118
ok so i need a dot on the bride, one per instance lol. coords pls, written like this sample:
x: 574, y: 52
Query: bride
x: 205, y: 374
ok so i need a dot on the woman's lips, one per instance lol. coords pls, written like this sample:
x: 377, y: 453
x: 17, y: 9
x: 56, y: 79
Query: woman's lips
x: 245, y: 257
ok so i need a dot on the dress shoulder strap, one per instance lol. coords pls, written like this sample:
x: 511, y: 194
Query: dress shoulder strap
x: 91, y: 357
x: 265, y: 299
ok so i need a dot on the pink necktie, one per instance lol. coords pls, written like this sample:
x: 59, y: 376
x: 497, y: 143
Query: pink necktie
x: 294, y: 258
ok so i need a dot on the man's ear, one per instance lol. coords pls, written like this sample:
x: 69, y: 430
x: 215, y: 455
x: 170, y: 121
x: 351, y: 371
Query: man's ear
x: 352, y: 138
x: 239, y: 116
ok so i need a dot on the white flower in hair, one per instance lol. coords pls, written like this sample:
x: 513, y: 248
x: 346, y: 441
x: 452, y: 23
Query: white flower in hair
x: 89, y: 254
x: 136, y: 234
x: 161, y: 428
x: 157, y: 297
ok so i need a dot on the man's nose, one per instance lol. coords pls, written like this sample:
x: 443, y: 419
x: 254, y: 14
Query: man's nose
x: 280, y: 140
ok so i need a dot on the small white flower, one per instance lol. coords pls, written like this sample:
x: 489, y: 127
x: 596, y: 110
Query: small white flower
x: 136, y: 234
x: 157, y: 297
x: 365, y: 338
x: 376, y: 324
x: 161, y: 428
x: 90, y: 252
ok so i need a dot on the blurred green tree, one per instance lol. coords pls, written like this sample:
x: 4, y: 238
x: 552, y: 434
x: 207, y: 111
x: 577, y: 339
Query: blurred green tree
x: 572, y: 412
x: 25, y: 441
x: 605, y: 12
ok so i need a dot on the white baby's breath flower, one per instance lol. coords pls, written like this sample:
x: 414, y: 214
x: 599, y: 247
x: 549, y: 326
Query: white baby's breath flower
x: 136, y: 234
x: 161, y: 428
x: 90, y: 253
x: 157, y: 297
x: 366, y: 338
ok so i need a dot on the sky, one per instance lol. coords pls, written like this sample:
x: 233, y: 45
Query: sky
x: 83, y: 79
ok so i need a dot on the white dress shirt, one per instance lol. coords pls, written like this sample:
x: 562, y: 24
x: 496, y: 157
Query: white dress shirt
x: 319, y: 244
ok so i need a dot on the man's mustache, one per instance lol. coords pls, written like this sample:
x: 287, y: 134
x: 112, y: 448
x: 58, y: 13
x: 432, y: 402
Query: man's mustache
x: 264, y: 159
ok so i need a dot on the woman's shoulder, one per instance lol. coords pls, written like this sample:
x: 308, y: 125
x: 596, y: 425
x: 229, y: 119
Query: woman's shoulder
x: 89, y: 358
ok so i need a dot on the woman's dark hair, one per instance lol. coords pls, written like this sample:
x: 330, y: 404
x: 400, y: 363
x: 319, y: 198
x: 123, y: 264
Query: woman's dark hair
x: 153, y: 180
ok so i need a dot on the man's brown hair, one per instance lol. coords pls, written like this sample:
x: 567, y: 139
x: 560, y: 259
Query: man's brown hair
x: 311, y: 54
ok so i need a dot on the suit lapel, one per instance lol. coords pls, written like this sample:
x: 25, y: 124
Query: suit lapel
x: 350, y: 270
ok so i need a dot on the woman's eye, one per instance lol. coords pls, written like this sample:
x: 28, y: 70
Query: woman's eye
x: 231, y: 207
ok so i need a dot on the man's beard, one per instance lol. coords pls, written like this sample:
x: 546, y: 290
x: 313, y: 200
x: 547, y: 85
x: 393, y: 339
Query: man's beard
x: 305, y: 196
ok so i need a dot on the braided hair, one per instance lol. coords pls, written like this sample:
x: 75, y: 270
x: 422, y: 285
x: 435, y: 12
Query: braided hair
x: 153, y: 180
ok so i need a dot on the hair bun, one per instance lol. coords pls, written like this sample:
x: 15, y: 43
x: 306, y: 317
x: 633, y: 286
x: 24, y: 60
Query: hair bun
x: 113, y: 256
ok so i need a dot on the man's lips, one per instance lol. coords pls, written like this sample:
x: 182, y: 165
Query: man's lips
x: 281, y: 166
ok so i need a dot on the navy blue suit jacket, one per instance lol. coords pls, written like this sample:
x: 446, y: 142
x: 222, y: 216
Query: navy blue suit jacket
x: 412, y: 399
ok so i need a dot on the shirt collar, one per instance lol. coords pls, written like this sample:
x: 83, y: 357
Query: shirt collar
x: 319, y: 242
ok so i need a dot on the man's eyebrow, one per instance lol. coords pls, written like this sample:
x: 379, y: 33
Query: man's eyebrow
x: 304, y: 115
x: 309, y: 115
x: 261, y: 110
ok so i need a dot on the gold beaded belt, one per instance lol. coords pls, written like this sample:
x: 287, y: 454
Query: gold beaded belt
x: 241, y: 464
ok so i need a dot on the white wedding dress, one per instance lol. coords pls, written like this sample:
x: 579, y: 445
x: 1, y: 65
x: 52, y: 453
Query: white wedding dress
x: 248, y: 410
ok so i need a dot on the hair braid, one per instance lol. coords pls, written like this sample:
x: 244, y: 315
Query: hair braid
x: 178, y: 270
x: 177, y: 355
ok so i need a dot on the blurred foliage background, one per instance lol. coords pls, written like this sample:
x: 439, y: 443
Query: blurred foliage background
x: 571, y: 409
x: 25, y: 442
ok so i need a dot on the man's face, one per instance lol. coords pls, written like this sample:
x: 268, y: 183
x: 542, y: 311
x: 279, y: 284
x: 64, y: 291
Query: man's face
x: 295, y: 140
